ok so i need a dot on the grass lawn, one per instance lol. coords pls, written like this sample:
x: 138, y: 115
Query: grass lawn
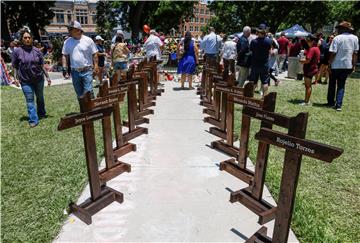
x: 42, y: 169
x: 328, y: 195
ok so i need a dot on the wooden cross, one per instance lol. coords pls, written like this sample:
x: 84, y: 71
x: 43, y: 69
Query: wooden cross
x: 295, y: 146
x: 133, y: 120
x: 101, y: 195
x: 238, y: 167
x: 231, y: 95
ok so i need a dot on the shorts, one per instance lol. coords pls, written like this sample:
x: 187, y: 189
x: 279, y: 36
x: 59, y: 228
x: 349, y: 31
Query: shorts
x: 120, y: 66
x: 259, y: 72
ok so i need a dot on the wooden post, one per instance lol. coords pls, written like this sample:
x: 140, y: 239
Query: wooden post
x: 295, y: 146
x: 101, y: 195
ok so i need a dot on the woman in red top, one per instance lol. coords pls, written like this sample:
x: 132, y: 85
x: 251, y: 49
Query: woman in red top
x: 312, y: 58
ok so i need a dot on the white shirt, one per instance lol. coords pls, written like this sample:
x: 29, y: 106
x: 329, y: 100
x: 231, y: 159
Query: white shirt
x: 344, y: 45
x: 80, y: 51
x: 229, y: 50
x: 152, y: 46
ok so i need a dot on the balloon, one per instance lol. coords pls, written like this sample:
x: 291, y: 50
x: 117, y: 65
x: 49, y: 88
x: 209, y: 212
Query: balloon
x: 146, y: 28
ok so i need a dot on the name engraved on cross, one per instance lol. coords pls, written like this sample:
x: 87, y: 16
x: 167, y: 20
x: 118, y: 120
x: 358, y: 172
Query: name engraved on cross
x: 105, y: 101
x: 88, y: 118
x: 247, y: 101
x: 294, y: 145
x: 115, y: 90
x: 264, y: 116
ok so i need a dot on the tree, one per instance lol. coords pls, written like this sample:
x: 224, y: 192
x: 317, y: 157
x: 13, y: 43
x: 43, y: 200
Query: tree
x: 275, y: 14
x: 106, y: 18
x: 15, y: 14
x: 162, y: 15
x: 172, y: 12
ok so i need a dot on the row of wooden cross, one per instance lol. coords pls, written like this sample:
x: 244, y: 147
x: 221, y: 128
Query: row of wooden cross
x: 140, y: 86
x: 218, y: 94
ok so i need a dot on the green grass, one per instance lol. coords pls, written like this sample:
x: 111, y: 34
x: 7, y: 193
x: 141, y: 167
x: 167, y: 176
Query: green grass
x: 42, y: 169
x: 328, y: 195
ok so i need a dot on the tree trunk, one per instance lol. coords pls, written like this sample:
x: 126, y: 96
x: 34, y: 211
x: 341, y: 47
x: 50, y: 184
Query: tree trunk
x: 135, y: 23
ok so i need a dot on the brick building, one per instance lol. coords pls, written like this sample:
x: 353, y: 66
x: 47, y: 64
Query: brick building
x: 83, y: 11
x: 201, y: 18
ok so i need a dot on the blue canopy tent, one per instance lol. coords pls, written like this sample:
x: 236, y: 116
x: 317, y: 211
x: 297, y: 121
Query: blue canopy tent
x: 295, y: 31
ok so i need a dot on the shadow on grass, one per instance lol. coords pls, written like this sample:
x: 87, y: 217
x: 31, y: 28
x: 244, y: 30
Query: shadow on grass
x: 295, y: 101
x: 24, y: 118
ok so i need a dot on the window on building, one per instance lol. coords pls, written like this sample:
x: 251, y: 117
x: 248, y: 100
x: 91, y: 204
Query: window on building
x: 202, y: 11
x: 69, y: 19
x: 59, y: 16
x: 196, y: 10
x: 206, y: 20
x: 93, y: 16
x: 196, y: 28
x: 82, y: 16
x: 191, y: 28
x: 201, y: 20
x: 196, y: 20
x: 207, y: 11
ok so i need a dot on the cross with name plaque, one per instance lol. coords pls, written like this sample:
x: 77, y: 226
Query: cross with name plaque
x: 295, y: 146
x: 238, y: 167
x: 134, y: 130
x: 114, y: 167
x: 243, y: 96
x: 101, y: 195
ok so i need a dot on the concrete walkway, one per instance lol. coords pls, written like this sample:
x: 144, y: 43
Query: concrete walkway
x: 175, y: 191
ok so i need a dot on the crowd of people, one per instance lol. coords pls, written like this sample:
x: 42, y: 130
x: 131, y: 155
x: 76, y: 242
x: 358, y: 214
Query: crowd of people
x: 259, y: 55
x: 253, y: 55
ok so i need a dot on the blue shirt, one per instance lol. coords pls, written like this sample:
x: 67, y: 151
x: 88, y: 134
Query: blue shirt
x: 260, y: 48
x: 211, y: 44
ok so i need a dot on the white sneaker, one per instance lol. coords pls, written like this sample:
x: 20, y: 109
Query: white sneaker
x: 305, y: 104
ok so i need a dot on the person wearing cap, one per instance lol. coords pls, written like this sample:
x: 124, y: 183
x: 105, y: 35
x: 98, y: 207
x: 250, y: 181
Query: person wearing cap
x: 211, y: 44
x: 243, y: 56
x: 229, y: 54
x: 153, y: 45
x: 82, y: 52
x: 310, y: 68
x: 260, y: 48
x: 101, y: 57
x: 118, y: 33
x: 342, y: 61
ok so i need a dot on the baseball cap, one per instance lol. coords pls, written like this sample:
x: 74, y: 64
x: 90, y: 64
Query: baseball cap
x: 98, y: 37
x: 119, y: 32
x: 75, y: 25
x: 262, y: 28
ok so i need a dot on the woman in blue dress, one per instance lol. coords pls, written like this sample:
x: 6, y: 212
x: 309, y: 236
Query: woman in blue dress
x: 188, y: 61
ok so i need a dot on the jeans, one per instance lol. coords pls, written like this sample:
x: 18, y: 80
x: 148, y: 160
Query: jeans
x: 337, y: 77
x: 282, y: 62
x: 29, y: 89
x: 82, y: 82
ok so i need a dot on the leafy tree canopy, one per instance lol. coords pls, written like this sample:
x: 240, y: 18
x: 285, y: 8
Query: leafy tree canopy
x: 35, y: 14
x: 232, y: 16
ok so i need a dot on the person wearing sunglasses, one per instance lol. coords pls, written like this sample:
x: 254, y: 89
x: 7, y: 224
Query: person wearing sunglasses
x: 28, y: 63
x: 82, y: 52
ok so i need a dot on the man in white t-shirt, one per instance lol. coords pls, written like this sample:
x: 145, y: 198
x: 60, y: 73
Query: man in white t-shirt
x: 153, y: 46
x: 343, y: 56
x: 82, y: 52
